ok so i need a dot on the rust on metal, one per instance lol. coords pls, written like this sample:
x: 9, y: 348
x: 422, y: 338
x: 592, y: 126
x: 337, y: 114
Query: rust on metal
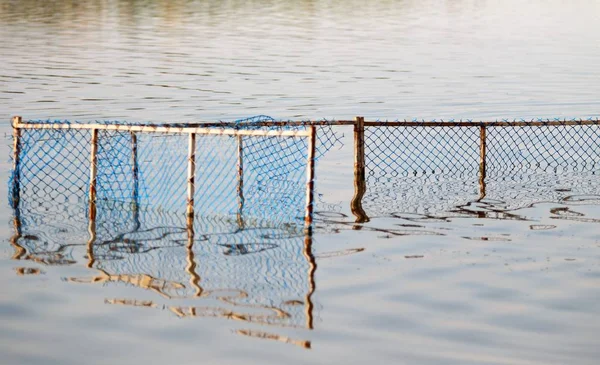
x: 16, y: 162
x: 191, y: 173
x: 93, y: 173
x: 240, y: 186
x: 360, y: 185
x: 482, y: 161
x: 310, y: 176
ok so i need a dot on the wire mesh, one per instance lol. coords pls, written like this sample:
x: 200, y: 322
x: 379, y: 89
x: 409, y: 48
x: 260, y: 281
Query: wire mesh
x: 541, y: 163
x: 543, y: 148
x: 59, y: 190
x: 420, y: 170
x: 434, y: 168
x: 247, y: 249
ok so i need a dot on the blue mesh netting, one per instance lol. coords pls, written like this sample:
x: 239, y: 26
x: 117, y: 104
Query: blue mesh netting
x: 248, y: 239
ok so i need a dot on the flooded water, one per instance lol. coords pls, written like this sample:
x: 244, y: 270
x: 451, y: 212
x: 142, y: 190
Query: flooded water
x: 438, y: 275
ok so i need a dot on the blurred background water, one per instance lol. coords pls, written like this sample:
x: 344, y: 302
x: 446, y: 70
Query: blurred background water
x: 406, y: 287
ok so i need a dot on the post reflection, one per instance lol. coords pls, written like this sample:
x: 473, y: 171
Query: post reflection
x: 269, y: 282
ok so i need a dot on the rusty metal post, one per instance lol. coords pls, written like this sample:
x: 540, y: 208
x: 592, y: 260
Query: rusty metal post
x: 16, y: 172
x: 240, y: 187
x: 136, y: 184
x: 190, y: 178
x: 310, y: 178
x: 482, y: 161
x: 92, y: 197
x: 308, y: 220
x: 93, y: 174
x: 360, y: 185
x: 16, y: 189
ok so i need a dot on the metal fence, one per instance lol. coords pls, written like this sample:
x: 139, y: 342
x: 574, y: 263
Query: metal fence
x: 226, y: 209
x: 439, y: 167
x: 186, y: 211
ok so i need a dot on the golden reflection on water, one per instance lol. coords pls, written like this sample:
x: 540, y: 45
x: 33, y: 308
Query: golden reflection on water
x: 275, y: 337
x: 248, y: 270
x: 265, y: 303
x: 240, y: 304
x: 22, y: 271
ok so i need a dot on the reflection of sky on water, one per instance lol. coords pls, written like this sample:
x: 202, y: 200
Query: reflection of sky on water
x: 191, y: 60
x: 429, y: 290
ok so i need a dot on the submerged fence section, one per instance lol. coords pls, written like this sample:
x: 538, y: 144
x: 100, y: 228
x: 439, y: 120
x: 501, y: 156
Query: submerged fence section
x: 156, y: 167
x: 443, y: 167
x: 224, y: 211
x: 187, y: 211
x: 422, y: 167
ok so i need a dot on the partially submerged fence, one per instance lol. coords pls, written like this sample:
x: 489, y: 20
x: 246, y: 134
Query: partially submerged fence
x: 433, y: 167
x: 392, y: 160
x: 160, y: 205
x: 52, y: 155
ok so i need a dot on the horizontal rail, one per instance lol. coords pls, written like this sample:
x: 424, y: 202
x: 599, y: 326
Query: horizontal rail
x: 292, y: 123
x: 208, y: 127
x: 149, y: 128
x: 519, y: 123
x: 279, y: 123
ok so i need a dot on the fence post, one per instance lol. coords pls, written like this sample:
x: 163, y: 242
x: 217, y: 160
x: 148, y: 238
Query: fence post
x: 191, y: 177
x: 93, y: 174
x: 240, y: 187
x: 92, y: 197
x: 310, y: 178
x: 136, y: 184
x: 16, y: 189
x: 482, y: 161
x: 360, y: 186
x: 16, y: 178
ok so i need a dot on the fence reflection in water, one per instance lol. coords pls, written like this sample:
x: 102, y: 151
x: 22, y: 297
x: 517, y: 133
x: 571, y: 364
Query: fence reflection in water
x: 246, y: 240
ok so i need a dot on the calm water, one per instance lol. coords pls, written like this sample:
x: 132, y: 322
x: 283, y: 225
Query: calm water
x: 417, y: 284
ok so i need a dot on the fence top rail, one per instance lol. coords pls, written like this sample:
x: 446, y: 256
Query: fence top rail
x: 412, y: 123
x: 154, y: 128
x: 502, y: 123
x: 246, y: 128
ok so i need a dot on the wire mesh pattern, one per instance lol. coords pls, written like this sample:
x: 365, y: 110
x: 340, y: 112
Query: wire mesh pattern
x: 392, y: 152
x: 246, y: 246
x: 439, y: 168
x: 548, y: 148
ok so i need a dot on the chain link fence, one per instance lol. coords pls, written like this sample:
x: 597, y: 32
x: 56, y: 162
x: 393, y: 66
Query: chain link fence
x: 119, y: 194
x: 443, y: 168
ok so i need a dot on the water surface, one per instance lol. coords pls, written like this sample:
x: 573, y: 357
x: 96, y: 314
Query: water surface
x: 508, y: 280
